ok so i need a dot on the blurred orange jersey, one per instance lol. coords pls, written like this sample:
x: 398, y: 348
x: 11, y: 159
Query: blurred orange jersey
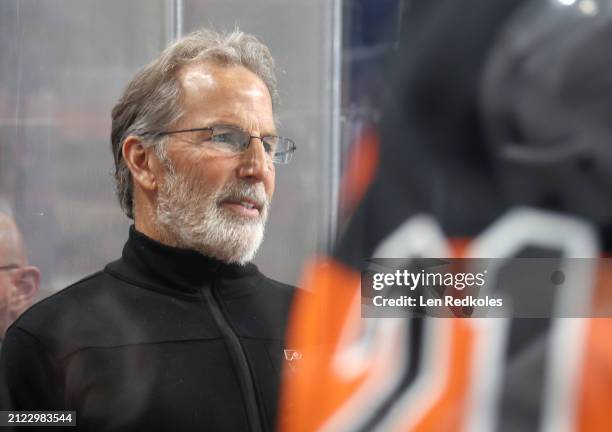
x: 350, y: 373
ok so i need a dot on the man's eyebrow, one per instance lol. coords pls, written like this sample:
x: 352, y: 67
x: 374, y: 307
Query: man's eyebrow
x: 223, y: 122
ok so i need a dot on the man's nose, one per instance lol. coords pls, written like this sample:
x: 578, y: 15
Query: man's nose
x: 255, y: 163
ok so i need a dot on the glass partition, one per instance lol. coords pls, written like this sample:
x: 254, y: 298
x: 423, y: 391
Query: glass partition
x: 63, y: 64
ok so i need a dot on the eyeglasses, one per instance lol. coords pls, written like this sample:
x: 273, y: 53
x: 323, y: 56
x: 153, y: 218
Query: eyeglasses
x: 233, y: 140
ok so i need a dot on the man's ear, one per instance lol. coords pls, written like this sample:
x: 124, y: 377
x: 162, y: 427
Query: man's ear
x: 26, y: 288
x: 139, y: 161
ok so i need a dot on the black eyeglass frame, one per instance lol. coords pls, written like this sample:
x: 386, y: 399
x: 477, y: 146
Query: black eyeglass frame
x: 290, y: 151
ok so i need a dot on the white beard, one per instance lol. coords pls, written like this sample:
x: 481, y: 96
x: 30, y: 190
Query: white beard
x: 193, y: 218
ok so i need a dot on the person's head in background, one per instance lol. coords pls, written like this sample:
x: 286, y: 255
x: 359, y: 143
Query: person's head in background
x: 18, y: 281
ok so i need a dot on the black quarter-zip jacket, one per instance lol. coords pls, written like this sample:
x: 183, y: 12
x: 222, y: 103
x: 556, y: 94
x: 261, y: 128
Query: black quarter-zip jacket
x: 161, y: 339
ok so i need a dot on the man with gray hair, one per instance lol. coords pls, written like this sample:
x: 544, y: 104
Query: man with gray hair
x: 182, y: 332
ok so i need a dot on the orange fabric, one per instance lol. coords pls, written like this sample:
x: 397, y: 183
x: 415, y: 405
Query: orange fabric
x: 595, y: 382
x: 313, y: 393
x: 447, y: 412
x: 360, y: 170
x: 459, y: 246
x: 595, y: 396
x: 311, y: 396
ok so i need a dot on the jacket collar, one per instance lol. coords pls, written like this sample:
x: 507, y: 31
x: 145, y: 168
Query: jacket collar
x: 183, y: 272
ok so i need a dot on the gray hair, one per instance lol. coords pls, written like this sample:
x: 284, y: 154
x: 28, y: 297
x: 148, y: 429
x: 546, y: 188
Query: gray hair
x: 152, y: 101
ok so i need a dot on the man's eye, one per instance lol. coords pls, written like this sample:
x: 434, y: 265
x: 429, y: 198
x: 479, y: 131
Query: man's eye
x: 199, y: 137
x: 224, y: 138
x: 270, y: 144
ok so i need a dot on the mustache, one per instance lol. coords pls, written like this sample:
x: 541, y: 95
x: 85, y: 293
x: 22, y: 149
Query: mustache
x: 235, y: 190
x: 242, y: 192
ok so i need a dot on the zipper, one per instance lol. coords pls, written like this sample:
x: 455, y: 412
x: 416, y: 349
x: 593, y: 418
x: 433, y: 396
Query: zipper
x: 237, y: 355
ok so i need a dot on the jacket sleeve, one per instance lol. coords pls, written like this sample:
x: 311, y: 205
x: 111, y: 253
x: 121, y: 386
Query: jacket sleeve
x: 28, y: 375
